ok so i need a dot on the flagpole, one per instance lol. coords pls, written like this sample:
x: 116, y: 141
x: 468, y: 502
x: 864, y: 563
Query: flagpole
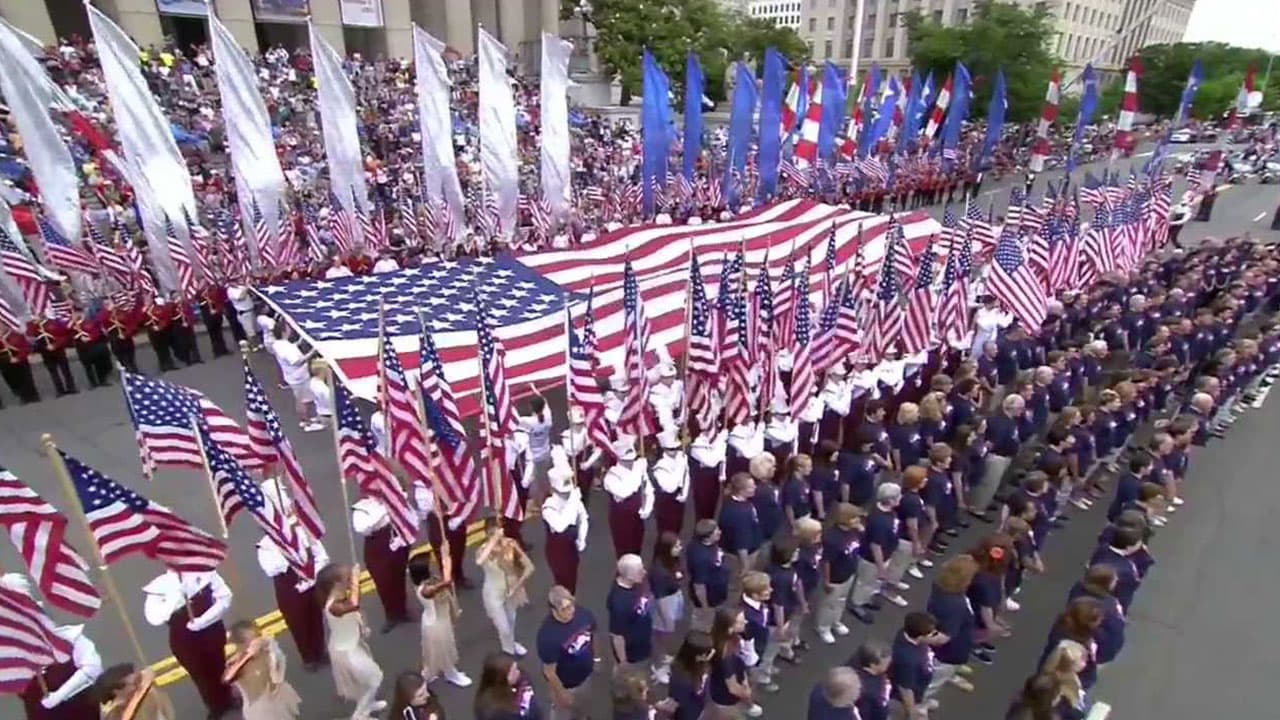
x: 233, y: 575
x: 279, y: 493
x: 68, y: 488
x: 568, y: 383
x: 342, y: 479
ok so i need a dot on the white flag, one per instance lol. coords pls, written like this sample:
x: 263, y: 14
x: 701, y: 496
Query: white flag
x: 147, y: 140
x: 435, y: 118
x: 29, y: 92
x: 499, y: 154
x: 555, y: 124
x: 253, y: 149
x: 341, y: 129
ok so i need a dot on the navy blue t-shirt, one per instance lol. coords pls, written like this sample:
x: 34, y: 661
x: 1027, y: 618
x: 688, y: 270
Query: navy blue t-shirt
x: 911, y: 508
x: 823, y: 480
x: 962, y: 411
x: 723, y: 668
x: 631, y: 618
x: 954, y: 614
x: 1003, y: 435
x: 739, y: 526
x: 873, y: 700
x: 1128, y: 487
x: 882, y: 530
x: 768, y: 502
x: 795, y: 495
x: 757, y: 629
x: 663, y: 582
x: 821, y: 709
x: 986, y: 591
x: 1110, y: 634
x: 707, y: 568
x: 909, y: 442
x: 526, y: 707
x: 689, y: 694
x: 785, y: 582
x: 911, y: 667
x: 880, y: 437
x: 840, y: 547
x: 1127, y: 577
x: 809, y: 567
x: 859, y: 472
x: 569, y: 646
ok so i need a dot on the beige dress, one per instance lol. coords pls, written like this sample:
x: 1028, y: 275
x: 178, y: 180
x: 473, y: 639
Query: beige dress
x: 261, y: 701
x: 439, y: 648
x: 155, y: 705
x: 354, y: 670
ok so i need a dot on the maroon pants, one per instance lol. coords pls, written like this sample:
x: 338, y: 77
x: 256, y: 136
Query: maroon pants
x: 668, y: 513
x: 704, y: 486
x: 81, y: 706
x: 586, y: 477
x: 301, y: 612
x: 387, y: 567
x: 201, y: 653
x: 626, y: 527
x: 562, y: 556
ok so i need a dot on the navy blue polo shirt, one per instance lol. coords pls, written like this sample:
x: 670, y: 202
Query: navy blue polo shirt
x: 739, y: 526
x: 768, y: 503
x: 821, y: 709
x: 909, y: 443
x: 873, y: 700
x: 631, y: 618
x: 569, y: 646
x: 795, y: 495
x: 1003, y: 434
x: 911, y: 667
x: 859, y: 471
x: 707, y: 568
x: 785, y: 582
x: 954, y: 614
x: 840, y: 548
x: 882, y: 530
x: 911, y: 508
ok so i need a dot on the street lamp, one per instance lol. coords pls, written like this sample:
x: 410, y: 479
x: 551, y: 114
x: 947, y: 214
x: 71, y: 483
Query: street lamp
x: 583, y: 11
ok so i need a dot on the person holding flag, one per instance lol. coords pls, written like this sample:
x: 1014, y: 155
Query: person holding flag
x: 192, y: 606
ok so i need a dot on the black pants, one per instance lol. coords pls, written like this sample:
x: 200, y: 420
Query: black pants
x: 17, y: 375
x: 59, y: 371
x: 125, y: 352
x: 213, y: 322
x: 184, y: 345
x: 96, y: 360
x: 233, y: 321
x: 162, y: 343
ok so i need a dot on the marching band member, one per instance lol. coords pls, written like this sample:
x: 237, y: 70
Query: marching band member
x: 614, y: 395
x: 15, y: 365
x: 781, y: 432
x: 295, y: 595
x: 671, y: 476
x: 580, y: 449
x: 193, y: 605
x: 746, y: 440
x: 122, y: 324
x: 52, y: 336
x: 810, y: 418
x: 667, y: 398
x: 68, y: 683
x: 630, y: 497
x: 567, y: 523
x: 707, y: 471
x: 158, y: 318
x: 837, y: 396
x: 212, y: 304
x: 386, y: 556
x: 89, y: 335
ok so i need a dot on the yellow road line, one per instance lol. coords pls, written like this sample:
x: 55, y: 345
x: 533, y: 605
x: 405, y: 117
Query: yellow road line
x: 168, y: 671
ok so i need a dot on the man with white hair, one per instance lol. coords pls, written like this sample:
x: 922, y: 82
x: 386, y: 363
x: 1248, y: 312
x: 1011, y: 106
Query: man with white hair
x: 630, y: 606
x: 876, y: 555
x: 1004, y: 435
x: 835, y: 695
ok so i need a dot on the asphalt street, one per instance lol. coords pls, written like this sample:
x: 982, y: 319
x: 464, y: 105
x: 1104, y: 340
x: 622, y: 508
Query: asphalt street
x: 1200, y: 623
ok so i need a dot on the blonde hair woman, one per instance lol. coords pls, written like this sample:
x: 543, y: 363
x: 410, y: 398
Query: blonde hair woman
x: 1064, y: 665
x: 435, y: 594
x: 132, y: 695
x: 257, y: 670
x: 506, y: 569
x: 356, y: 675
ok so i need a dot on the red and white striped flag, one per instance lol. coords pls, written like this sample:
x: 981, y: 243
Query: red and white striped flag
x: 918, y: 330
x: 1048, y: 116
x: 1014, y: 284
x: 953, y: 310
x: 1125, y: 140
x: 181, y: 260
x: 38, y: 532
x: 635, y: 418
x: 267, y: 259
x: 24, y: 272
x: 28, y: 642
x: 804, y: 378
x: 290, y: 254
x: 359, y: 460
x: 408, y: 438
x: 202, y: 244
x: 584, y: 390
x: 702, y: 361
x: 457, y: 463
x: 499, y: 486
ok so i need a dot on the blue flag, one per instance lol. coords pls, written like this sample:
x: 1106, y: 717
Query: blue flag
x: 740, y: 117
x: 1088, y: 105
x: 770, y: 152
x: 1188, y: 95
x: 871, y: 91
x: 995, y: 118
x: 884, y: 119
x: 655, y: 122
x: 956, y: 114
x: 910, y: 119
x: 694, y: 87
x: 833, y: 102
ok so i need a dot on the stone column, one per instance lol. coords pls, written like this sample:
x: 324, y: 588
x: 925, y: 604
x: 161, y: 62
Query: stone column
x: 326, y: 15
x: 31, y: 17
x: 237, y: 15
x: 550, y: 13
x: 512, y: 27
x: 397, y: 21
x: 459, y: 32
x: 139, y: 19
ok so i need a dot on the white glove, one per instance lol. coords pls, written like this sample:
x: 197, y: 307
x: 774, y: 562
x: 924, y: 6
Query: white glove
x: 48, y: 703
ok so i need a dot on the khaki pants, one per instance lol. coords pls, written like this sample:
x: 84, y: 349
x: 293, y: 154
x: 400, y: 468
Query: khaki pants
x: 724, y: 712
x: 899, y: 561
x: 831, y: 605
x: 866, y: 583
x: 580, y: 707
x: 985, y: 491
x: 942, y: 674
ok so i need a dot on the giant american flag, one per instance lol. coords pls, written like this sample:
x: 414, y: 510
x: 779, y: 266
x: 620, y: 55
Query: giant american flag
x: 38, y: 532
x: 457, y: 463
x: 125, y: 523
x: 28, y: 643
x: 164, y: 416
x: 1014, y: 284
x: 526, y: 297
x: 359, y: 460
x: 272, y: 446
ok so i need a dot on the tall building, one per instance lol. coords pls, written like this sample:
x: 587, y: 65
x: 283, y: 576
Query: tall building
x: 783, y: 13
x: 1105, y: 32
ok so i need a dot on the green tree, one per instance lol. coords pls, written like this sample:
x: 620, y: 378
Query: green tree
x: 999, y: 35
x: 1165, y: 69
x: 670, y: 29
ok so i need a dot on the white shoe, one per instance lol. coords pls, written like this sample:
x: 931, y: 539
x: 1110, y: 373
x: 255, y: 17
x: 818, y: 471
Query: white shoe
x: 1011, y: 605
x: 755, y: 711
x: 826, y: 637
x: 1159, y: 521
x: 1179, y: 501
x: 519, y: 650
x: 377, y: 706
x: 914, y: 572
x: 661, y: 675
x: 924, y: 563
x: 1082, y: 504
x: 901, y: 586
x: 840, y: 629
x: 457, y: 677
x: 314, y: 427
x: 896, y: 600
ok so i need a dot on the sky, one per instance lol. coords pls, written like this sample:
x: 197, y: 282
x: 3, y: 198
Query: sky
x: 1248, y: 23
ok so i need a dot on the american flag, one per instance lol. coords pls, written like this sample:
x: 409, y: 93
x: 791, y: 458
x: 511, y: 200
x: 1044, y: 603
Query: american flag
x: 499, y: 486
x: 124, y: 523
x: 235, y: 249
x: 702, y: 363
x: 735, y: 357
x: 363, y: 224
x: 804, y: 378
x: 341, y: 227
x: 290, y: 254
x: 982, y: 231
x: 900, y: 253
x: 634, y: 418
x: 273, y: 448
x: 918, y: 330
x: 407, y: 217
x: 408, y: 438
x: 526, y: 297
x: 25, y: 274
x: 202, y: 244
x: 267, y: 258
x: 378, y: 237
x: 164, y: 417
x: 110, y: 258
x: 760, y: 335
x: 1014, y: 284
x: 1093, y: 191
x: 886, y: 323
x: 784, y: 303
x: 238, y: 492
x: 457, y: 463
x: 181, y: 260
x: 61, y: 253
x: 584, y: 390
x: 953, y: 310
x: 311, y: 226
x: 839, y: 329
x: 28, y: 642
x: 140, y: 280
x: 359, y: 460
x: 38, y: 532
x: 431, y: 216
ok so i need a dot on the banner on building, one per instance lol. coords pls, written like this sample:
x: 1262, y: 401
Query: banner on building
x: 192, y: 8
x: 285, y: 11
x: 361, y: 13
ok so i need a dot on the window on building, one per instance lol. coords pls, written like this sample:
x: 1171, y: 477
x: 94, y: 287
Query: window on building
x: 851, y: 21
x: 893, y: 19
x: 868, y: 47
x: 831, y: 23
x: 826, y: 49
x: 813, y: 24
x: 810, y: 44
x: 888, y: 47
x: 848, y: 48
x: 962, y: 16
x: 1071, y: 43
x: 937, y: 16
x: 1066, y: 11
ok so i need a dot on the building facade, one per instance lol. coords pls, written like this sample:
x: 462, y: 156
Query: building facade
x: 783, y: 13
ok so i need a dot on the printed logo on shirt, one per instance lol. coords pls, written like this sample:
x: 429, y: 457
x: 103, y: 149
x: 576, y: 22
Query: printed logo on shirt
x: 524, y: 699
x: 853, y: 544
x: 719, y: 558
x: 643, y: 605
x: 578, y: 642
